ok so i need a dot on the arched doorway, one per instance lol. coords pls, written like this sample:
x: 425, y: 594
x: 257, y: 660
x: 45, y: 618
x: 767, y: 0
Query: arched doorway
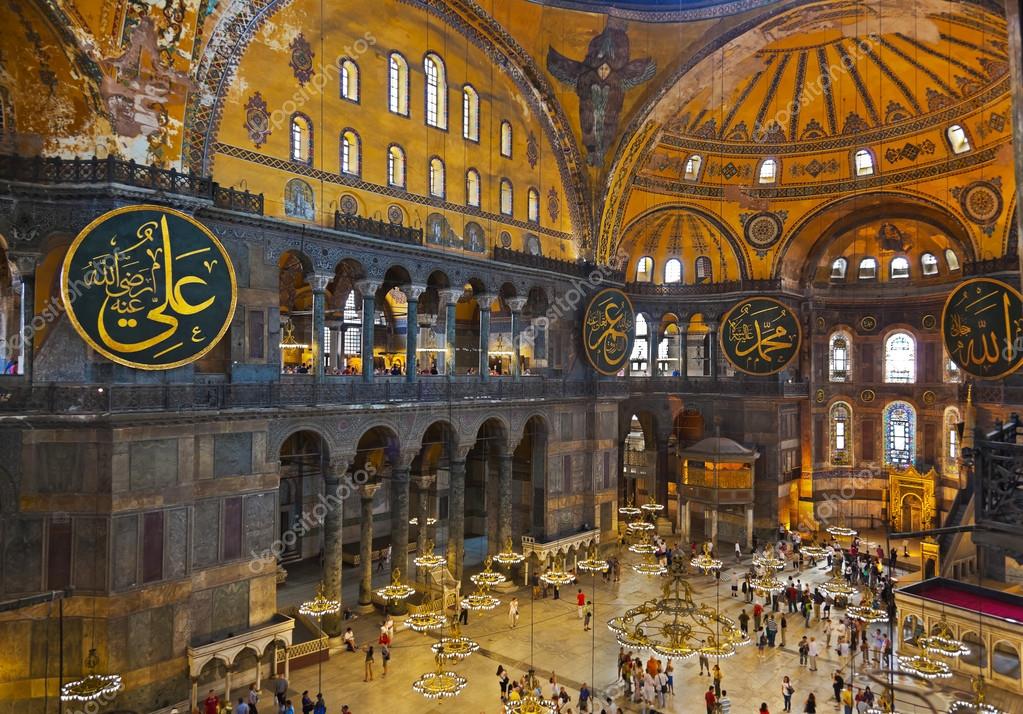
x: 304, y: 459
x: 529, y: 480
x: 482, y: 472
x: 912, y: 507
x: 639, y: 460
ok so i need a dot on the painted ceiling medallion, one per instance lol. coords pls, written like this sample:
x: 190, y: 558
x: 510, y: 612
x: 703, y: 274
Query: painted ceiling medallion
x: 762, y: 230
x: 553, y: 204
x: 867, y: 396
x: 868, y: 323
x: 301, y: 58
x: 930, y: 397
x: 532, y: 151
x: 506, y: 239
x: 981, y: 201
x: 929, y: 322
x: 395, y: 215
x: 257, y: 119
x: 348, y: 204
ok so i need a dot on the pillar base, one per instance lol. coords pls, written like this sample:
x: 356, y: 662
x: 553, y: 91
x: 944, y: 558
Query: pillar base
x: 366, y: 608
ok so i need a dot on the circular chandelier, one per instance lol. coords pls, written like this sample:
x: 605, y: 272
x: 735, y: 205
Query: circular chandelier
x: 767, y: 583
x: 815, y: 552
x: 92, y: 686
x: 942, y: 641
x: 768, y: 561
x: 924, y: 666
x: 428, y: 559
x: 425, y: 621
x: 644, y: 548
x: 488, y: 578
x: 649, y: 566
x: 836, y: 586
x: 674, y: 625
x: 454, y: 647
x: 593, y: 564
x: 629, y: 511
x: 320, y: 606
x: 638, y: 527
x: 557, y: 575
x: 531, y: 702
x: 508, y: 556
x: 440, y: 684
x: 706, y: 562
x: 978, y: 705
x: 653, y: 508
x: 842, y: 532
x: 865, y: 611
x: 397, y: 590
x: 480, y: 600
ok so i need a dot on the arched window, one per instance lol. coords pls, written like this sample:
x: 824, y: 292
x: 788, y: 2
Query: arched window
x: 863, y: 162
x: 351, y: 152
x: 899, y: 434
x: 899, y: 268
x: 900, y: 358
x: 436, y: 177
x: 838, y: 268
x: 349, y: 80
x: 951, y: 371
x: 841, y: 434
x: 507, y: 197
x: 436, y: 91
x: 952, y: 259
x: 957, y: 139
x: 641, y: 347
x: 868, y: 269
x: 506, y: 139
x: 768, y: 171
x: 397, y: 84
x: 673, y: 271
x: 692, y: 168
x: 472, y: 188
x: 839, y: 365
x: 533, y: 205
x: 952, y: 420
x: 644, y: 269
x: 352, y: 326
x: 928, y: 264
x: 301, y: 139
x: 395, y: 166
x: 298, y: 200
x: 470, y: 113
x: 703, y: 270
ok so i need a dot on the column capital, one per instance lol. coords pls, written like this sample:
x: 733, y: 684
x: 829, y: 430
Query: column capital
x: 450, y: 295
x: 368, y: 287
x: 338, y: 466
x: 413, y: 292
x: 424, y: 481
x: 515, y: 304
x: 25, y: 261
x: 368, y: 490
x: 485, y: 300
x: 319, y: 281
x: 712, y: 325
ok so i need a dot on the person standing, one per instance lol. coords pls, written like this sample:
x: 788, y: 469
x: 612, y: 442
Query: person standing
x: 710, y: 699
x: 502, y: 680
x: 321, y: 706
x: 786, y: 693
x: 724, y: 703
x: 281, y: 689
x: 587, y: 616
x: 704, y: 664
x: 242, y: 708
x: 307, y: 703
x: 717, y: 680
x: 811, y: 704
x: 771, y: 627
x: 784, y: 626
x: 814, y: 652
x: 847, y: 699
x: 212, y: 703
x: 804, y: 651
x: 837, y: 684
x: 385, y: 657
x: 758, y: 612
x: 584, y: 698
x: 368, y: 675
x: 513, y: 612
x: 580, y: 603
x: 738, y: 552
x: 288, y: 708
x: 744, y: 622
x: 253, y: 699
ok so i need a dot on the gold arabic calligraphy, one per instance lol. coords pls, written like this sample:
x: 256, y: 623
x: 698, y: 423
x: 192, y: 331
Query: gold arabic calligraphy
x: 609, y: 321
x: 758, y: 337
x: 983, y: 328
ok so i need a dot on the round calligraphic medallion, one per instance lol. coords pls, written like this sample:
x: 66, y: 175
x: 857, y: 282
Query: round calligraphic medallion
x: 609, y: 331
x: 982, y: 328
x: 149, y: 287
x: 760, y: 335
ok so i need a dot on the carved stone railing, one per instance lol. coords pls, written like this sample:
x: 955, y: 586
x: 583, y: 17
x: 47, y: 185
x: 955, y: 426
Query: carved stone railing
x: 722, y: 385
x: 1000, y: 264
x: 112, y: 170
x: 580, y: 269
x: 679, y: 289
x: 378, y: 229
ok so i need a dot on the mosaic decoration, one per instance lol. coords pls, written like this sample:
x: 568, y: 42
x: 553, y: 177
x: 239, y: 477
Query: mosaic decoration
x: 930, y: 398
x: 553, y: 205
x: 600, y: 80
x: 475, y: 238
x: 867, y: 396
x: 298, y: 200
x: 928, y: 322
x: 762, y: 230
x: 395, y: 216
x: 909, y: 151
x: 981, y: 201
x: 149, y: 287
x: 760, y: 336
x: 889, y: 237
x: 257, y: 119
x: 821, y: 324
x: 609, y: 331
x: 813, y: 169
x: 982, y: 328
x: 301, y: 59
x: 532, y: 243
x: 819, y: 396
x: 348, y: 204
x: 439, y: 232
x: 532, y: 150
x: 506, y: 239
x: 868, y: 323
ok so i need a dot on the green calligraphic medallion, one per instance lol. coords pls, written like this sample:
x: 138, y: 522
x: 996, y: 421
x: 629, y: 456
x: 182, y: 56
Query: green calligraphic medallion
x: 760, y: 335
x: 149, y: 287
x: 982, y: 328
x: 609, y: 331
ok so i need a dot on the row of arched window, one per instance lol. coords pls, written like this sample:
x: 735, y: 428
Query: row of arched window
x: 673, y: 270
x: 899, y: 359
x: 863, y: 161
x: 899, y: 434
x: 898, y: 268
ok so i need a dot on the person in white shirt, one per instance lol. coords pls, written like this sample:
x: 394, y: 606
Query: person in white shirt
x: 389, y: 627
x: 349, y: 640
x: 724, y: 703
x: 815, y: 650
x: 661, y: 685
x: 513, y: 612
x: 648, y: 692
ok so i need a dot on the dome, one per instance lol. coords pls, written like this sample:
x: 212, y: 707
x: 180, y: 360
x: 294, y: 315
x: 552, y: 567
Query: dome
x: 683, y: 235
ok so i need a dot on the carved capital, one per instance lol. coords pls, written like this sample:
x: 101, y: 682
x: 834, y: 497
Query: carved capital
x: 449, y: 295
x: 319, y: 281
x: 25, y: 262
x: 516, y: 304
x: 368, y: 490
x: 368, y: 287
x: 424, y: 481
x: 485, y: 300
x: 413, y: 292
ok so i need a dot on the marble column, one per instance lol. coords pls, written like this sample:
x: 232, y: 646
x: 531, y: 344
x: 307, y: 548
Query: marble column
x: 26, y: 265
x: 515, y: 305
x: 423, y: 483
x: 366, y: 493
x: 337, y: 341
x: 368, y: 289
x: 652, y: 333
x: 685, y: 513
x: 412, y: 295
x: 318, y: 283
x: 456, y: 516
x: 749, y: 528
x: 663, y: 477
x: 714, y: 530
x: 399, y: 517
x: 449, y: 298
x: 683, y: 351
x: 712, y: 348
x: 485, y: 301
x: 504, y: 500
x: 333, y: 538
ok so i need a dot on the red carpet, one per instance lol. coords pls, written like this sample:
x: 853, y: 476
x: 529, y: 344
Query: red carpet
x: 1003, y: 605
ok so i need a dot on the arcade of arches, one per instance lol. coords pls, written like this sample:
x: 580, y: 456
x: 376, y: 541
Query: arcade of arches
x: 418, y: 198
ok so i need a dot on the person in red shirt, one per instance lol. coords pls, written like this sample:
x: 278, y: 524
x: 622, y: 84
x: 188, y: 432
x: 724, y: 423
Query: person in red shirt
x: 580, y: 601
x: 212, y: 704
x: 710, y: 699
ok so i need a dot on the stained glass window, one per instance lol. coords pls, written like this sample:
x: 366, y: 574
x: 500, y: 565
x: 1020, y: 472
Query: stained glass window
x: 838, y: 364
x: 841, y: 421
x: 899, y: 434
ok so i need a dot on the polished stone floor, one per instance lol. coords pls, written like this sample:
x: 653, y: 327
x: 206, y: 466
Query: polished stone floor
x: 551, y: 637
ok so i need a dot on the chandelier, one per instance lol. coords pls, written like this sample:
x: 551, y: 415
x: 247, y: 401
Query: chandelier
x: 978, y: 705
x: 397, y: 590
x: 592, y: 564
x: 557, y: 575
x: 942, y: 641
x: 925, y: 666
x: 814, y: 551
x: 649, y: 566
x: 92, y: 686
x: 706, y: 562
x: 320, y: 606
x: 508, y: 556
x: 639, y: 527
x: 842, y: 532
x: 428, y: 559
x: 531, y: 703
x: 836, y: 586
x: 646, y: 547
x: 288, y: 341
x: 629, y: 511
x: 767, y: 583
x: 488, y: 578
x: 440, y: 684
x: 653, y: 508
x: 454, y: 647
x: 768, y: 561
x: 865, y: 611
x: 675, y: 626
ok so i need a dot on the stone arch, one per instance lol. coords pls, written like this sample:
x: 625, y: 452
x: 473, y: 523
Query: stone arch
x: 281, y: 431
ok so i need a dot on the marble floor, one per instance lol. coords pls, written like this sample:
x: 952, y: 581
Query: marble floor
x: 551, y: 637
